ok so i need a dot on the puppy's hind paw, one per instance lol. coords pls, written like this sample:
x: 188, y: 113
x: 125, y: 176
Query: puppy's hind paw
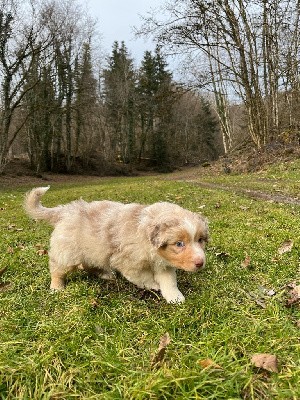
x: 152, y: 286
x: 57, y: 285
x: 107, y: 275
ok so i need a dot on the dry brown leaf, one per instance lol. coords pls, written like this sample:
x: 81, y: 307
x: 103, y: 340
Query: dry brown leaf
x: 208, y: 362
x: 265, y: 361
x: 42, y: 252
x: 160, y: 354
x: 286, y: 247
x: 291, y: 285
x: 94, y: 303
x: 246, y: 262
x: 3, y: 285
x: 294, y: 295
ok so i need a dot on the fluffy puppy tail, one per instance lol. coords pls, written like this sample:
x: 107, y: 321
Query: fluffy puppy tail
x: 36, y: 210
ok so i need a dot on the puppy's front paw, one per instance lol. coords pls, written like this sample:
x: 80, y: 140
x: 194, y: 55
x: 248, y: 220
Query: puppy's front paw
x: 174, y: 297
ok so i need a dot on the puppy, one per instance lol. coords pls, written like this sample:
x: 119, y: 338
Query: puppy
x: 146, y: 244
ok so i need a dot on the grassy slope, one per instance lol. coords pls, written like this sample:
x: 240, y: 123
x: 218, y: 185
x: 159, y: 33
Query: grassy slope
x: 95, y: 340
x: 280, y: 179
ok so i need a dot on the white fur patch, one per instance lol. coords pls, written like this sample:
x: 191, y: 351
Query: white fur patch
x: 190, y: 227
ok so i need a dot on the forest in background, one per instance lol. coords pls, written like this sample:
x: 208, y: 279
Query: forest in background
x: 63, y: 105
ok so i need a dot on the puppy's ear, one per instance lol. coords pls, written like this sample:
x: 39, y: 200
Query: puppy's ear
x: 159, y: 233
x: 154, y: 236
x: 204, y: 221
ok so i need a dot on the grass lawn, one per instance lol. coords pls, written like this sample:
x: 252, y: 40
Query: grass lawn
x: 280, y: 179
x: 96, y: 339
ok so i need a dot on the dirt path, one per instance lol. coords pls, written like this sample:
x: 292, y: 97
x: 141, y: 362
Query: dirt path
x: 254, y: 194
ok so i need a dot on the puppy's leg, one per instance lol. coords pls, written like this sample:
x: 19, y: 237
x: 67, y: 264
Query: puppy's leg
x: 58, y: 275
x: 96, y: 272
x: 143, y: 278
x: 166, y: 278
x: 107, y: 275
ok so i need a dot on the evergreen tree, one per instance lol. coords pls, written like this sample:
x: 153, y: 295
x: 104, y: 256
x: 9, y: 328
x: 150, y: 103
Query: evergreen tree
x: 208, y: 130
x: 156, y: 94
x: 119, y: 82
x: 86, y: 101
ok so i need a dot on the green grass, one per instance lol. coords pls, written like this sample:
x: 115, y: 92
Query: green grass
x: 95, y: 340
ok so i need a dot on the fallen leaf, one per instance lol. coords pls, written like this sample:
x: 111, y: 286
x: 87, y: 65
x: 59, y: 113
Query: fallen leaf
x: 160, y: 354
x: 286, y: 247
x: 271, y: 293
x: 222, y: 254
x: 208, y: 362
x: 11, y: 226
x: 265, y: 361
x: 3, y: 285
x: 42, y: 252
x: 94, y: 303
x: 260, y: 303
x: 291, y: 285
x: 246, y: 262
x: 259, y: 300
x: 218, y: 205
x: 294, y: 295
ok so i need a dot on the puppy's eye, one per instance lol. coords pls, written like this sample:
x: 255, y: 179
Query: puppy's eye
x: 179, y: 244
x: 201, y: 240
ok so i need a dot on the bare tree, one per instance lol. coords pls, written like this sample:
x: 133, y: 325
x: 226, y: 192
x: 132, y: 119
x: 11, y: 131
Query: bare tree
x: 242, y: 41
x: 20, y: 42
x: 54, y: 129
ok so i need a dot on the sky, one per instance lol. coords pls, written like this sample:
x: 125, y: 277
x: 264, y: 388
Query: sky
x: 116, y: 19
